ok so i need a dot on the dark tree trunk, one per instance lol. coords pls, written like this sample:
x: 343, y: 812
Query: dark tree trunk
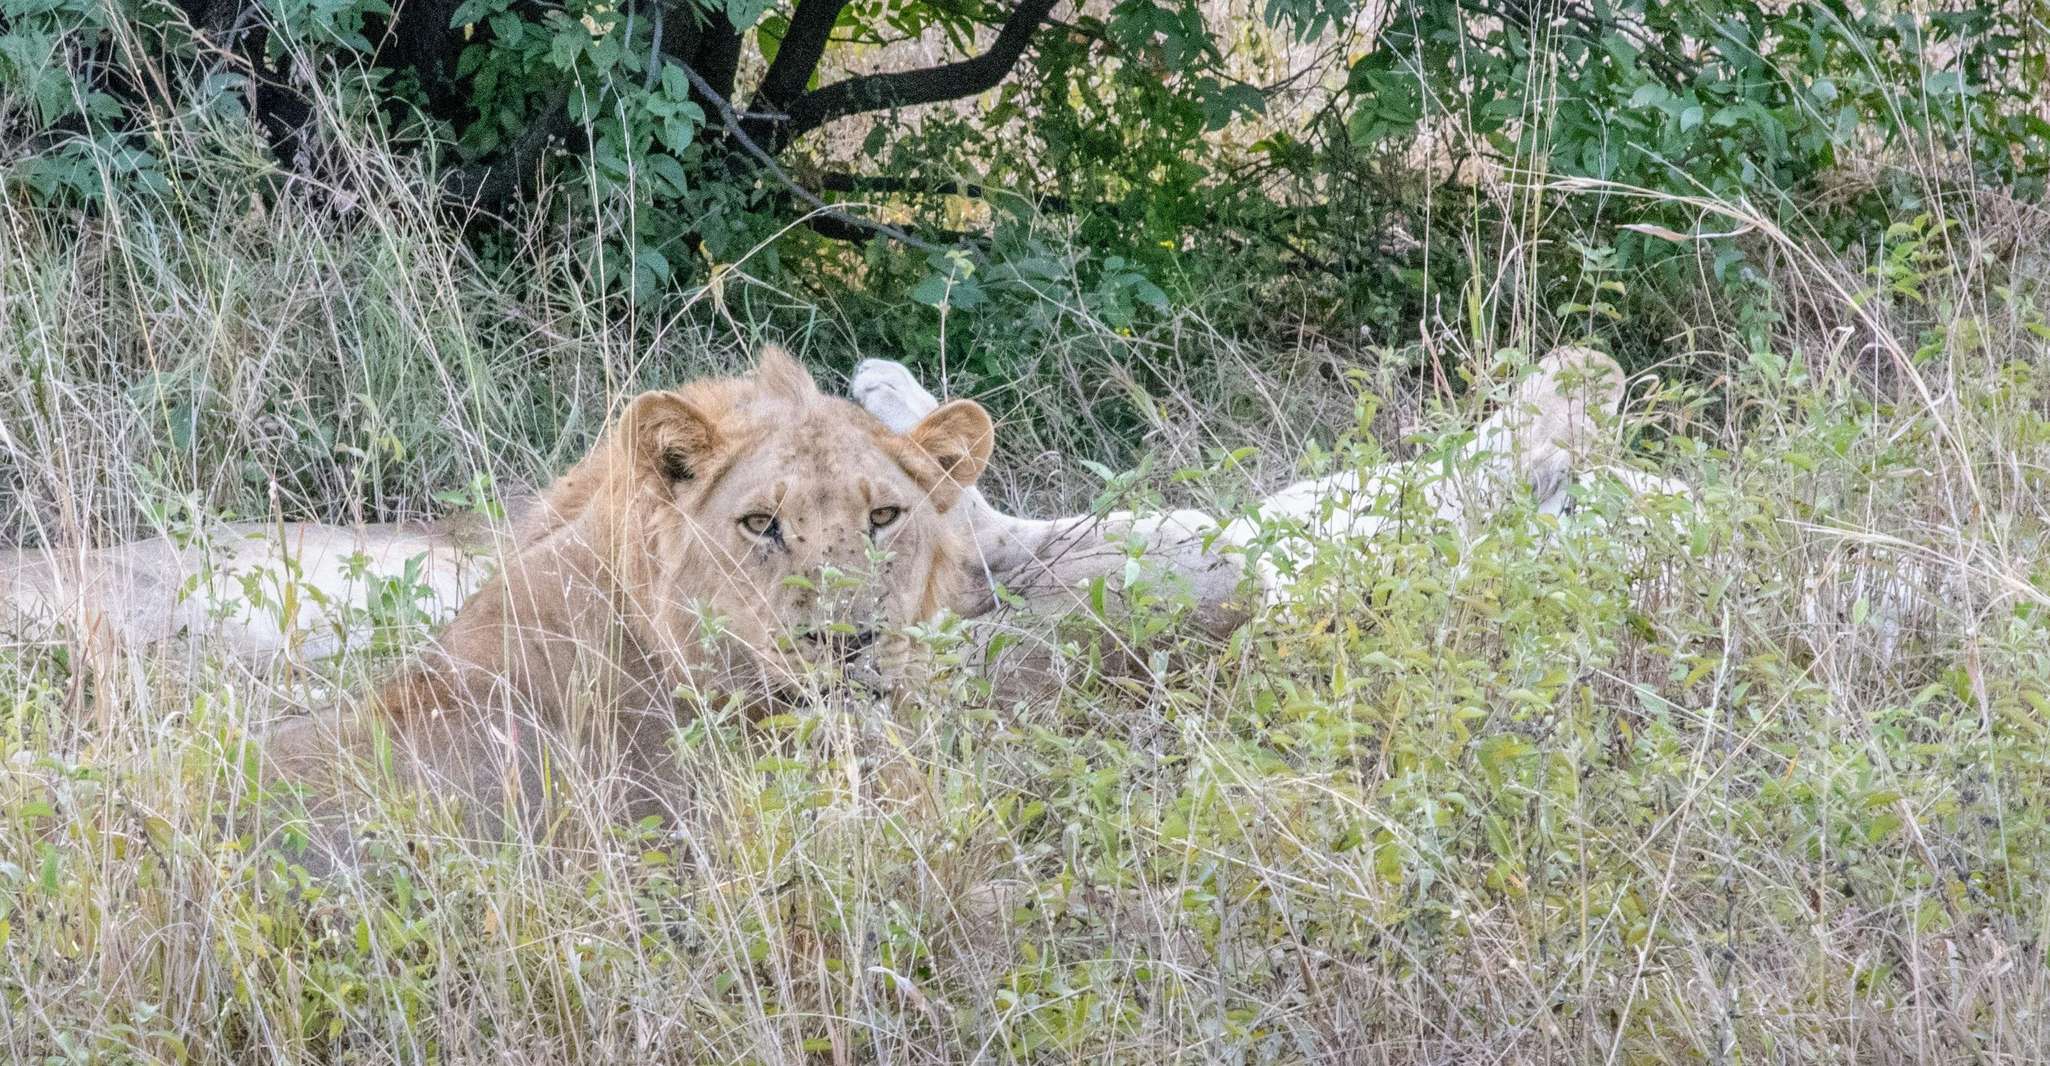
x: 417, y: 39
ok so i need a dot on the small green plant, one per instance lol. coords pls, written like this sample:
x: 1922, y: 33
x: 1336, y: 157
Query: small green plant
x: 1752, y: 773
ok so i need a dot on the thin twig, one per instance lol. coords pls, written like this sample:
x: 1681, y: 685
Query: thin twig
x: 654, y: 46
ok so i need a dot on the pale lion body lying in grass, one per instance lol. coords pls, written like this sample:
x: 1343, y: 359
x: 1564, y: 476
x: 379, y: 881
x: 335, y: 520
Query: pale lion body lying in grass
x: 1535, y: 442
x: 1542, y: 439
x: 259, y: 589
x: 305, y: 588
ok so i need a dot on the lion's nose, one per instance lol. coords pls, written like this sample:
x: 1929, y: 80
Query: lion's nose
x: 836, y: 643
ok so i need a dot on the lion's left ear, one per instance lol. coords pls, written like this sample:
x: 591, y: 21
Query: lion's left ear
x: 776, y: 372
x: 959, y: 437
x: 670, y: 437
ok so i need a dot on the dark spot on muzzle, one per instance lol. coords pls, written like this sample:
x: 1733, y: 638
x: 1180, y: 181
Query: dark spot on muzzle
x: 834, y: 644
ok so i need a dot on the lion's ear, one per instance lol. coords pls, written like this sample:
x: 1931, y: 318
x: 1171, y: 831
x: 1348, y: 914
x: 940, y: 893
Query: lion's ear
x: 775, y: 371
x: 958, y: 436
x: 668, y: 436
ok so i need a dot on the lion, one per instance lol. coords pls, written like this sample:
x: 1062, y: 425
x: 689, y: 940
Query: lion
x: 258, y: 588
x: 156, y: 590
x: 723, y: 542
x: 1535, y: 442
x: 1025, y: 574
x: 260, y: 592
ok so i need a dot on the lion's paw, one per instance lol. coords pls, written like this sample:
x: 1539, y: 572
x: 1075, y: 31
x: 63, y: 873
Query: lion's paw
x: 888, y: 391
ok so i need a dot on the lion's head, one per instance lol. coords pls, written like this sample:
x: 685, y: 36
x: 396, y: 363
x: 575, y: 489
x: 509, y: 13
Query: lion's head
x: 758, y: 527
x: 725, y: 536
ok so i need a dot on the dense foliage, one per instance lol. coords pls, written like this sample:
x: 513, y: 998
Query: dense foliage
x: 680, y: 135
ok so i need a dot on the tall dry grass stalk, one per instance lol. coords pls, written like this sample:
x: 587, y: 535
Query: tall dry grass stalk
x: 1759, y: 777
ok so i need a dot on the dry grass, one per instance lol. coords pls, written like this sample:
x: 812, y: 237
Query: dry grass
x: 1578, y: 791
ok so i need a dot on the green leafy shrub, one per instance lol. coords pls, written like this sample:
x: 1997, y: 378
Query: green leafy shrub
x: 681, y: 138
x: 1657, y: 107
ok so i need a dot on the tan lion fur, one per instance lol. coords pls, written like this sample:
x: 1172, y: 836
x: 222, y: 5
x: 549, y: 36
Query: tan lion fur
x: 641, y: 579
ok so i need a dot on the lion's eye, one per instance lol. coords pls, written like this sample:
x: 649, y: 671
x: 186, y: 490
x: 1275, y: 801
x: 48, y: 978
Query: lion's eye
x: 883, y: 516
x: 762, y: 524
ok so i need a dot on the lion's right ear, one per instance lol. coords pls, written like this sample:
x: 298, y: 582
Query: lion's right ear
x: 668, y: 436
x: 959, y: 437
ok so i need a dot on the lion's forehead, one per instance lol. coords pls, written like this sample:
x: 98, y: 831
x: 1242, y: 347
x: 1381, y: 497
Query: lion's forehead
x: 820, y: 465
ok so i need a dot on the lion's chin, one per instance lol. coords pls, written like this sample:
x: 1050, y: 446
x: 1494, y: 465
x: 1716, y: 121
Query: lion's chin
x: 796, y: 680
x: 755, y: 671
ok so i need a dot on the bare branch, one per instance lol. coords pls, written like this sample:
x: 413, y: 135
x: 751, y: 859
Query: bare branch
x: 928, y: 85
x: 811, y: 25
x: 768, y: 162
x: 874, y: 183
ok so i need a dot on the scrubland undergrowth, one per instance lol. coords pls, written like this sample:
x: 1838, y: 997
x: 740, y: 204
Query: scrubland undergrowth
x: 1760, y: 778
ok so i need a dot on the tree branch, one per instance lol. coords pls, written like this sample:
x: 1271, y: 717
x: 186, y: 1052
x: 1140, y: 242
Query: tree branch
x: 489, y: 184
x: 889, y: 185
x: 768, y: 162
x: 811, y: 25
x: 860, y: 231
x: 929, y: 85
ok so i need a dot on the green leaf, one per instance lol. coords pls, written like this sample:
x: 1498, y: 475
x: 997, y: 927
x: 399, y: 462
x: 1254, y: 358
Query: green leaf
x: 569, y: 42
x: 670, y: 173
x: 1388, y: 862
x: 932, y: 291
x: 1498, y: 752
x: 745, y: 13
x: 470, y: 11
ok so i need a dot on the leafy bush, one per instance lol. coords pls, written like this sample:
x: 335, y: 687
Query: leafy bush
x: 681, y: 136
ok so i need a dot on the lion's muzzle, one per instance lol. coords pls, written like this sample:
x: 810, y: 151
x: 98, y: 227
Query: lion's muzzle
x: 837, y: 644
